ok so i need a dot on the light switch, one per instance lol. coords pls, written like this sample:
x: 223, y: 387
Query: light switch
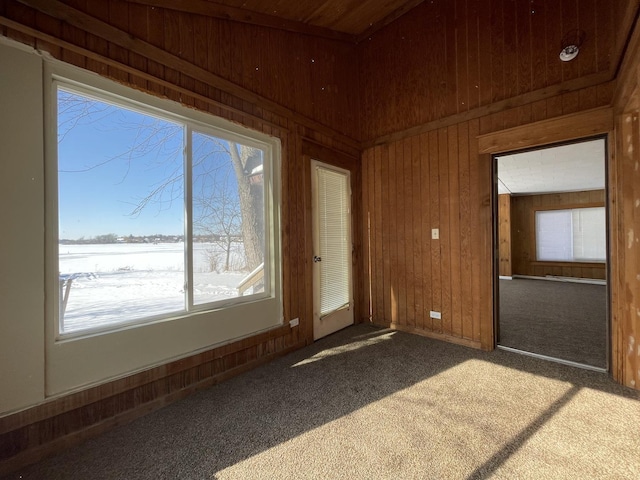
x: 435, y: 233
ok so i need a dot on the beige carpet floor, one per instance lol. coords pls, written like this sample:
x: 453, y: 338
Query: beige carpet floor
x: 369, y: 403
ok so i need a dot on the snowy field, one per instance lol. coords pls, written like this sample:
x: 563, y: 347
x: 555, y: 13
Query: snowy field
x: 118, y: 283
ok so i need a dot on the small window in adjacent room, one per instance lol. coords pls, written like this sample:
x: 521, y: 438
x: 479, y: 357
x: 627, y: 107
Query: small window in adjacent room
x: 158, y: 215
x: 572, y: 235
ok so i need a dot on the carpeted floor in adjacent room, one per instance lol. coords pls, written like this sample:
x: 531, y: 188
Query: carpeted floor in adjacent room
x: 563, y: 320
x: 370, y: 403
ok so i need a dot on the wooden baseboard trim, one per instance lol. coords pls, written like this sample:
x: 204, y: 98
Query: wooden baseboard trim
x: 465, y: 342
x: 32, y: 455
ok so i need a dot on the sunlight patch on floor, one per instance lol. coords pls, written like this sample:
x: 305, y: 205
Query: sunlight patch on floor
x: 342, y: 349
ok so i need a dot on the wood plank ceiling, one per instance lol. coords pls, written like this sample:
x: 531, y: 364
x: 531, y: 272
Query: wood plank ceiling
x: 351, y: 20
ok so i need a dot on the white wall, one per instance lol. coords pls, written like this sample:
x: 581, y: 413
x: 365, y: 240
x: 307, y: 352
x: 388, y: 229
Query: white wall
x: 21, y: 229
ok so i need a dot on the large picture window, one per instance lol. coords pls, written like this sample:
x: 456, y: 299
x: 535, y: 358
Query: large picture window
x: 158, y: 215
x: 571, y: 235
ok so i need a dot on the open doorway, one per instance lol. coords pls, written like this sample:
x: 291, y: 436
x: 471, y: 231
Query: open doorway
x: 551, y: 253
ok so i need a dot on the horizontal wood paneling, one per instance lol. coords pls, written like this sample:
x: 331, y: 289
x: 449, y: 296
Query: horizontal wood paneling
x: 523, y: 239
x: 450, y: 56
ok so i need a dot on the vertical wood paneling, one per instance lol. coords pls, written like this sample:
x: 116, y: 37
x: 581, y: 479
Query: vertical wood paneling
x: 523, y: 234
x: 445, y: 259
x: 465, y: 230
x: 475, y: 192
x: 454, y: 233
x: 525, y: 62
x: 455, y: 197
x: 401, y: 211
x: 497, y: 51
x: 475, y: 53
x: 424, y: 261
x: 434, y: 187
x: 504, y: 235
x: 375, y: 228
x: 416, y: 233
x: 393, y: 172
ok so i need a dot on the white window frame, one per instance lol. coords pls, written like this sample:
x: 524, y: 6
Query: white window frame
x: 139, y: 344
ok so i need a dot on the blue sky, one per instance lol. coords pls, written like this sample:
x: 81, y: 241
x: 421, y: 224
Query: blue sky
x: 102, y: 179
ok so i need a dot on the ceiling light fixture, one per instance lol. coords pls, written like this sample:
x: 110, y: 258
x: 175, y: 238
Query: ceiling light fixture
x: 571, y: 44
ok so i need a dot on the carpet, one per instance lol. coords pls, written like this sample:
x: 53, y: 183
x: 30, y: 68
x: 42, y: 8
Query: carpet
x: 370, y: 403
x: 558, y: 319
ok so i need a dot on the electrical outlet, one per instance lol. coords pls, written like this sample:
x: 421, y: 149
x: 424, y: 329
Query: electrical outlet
x: 436, y: 315
x: 294, y: 323
x: 435, y: 233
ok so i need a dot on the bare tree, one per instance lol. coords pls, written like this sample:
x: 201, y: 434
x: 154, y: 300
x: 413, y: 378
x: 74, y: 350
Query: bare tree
x: 227, y: 207
x: 245, y: 161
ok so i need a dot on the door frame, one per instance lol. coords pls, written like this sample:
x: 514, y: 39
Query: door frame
x: 312, y: 150
x: 597, y: 122
x: 496, y: 246
x: 315, y: 164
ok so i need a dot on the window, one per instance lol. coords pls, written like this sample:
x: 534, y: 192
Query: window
x: 573, y: 235
x: 158, y: 215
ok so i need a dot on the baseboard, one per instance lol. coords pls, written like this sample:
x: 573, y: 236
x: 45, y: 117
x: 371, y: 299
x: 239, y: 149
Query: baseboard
x: 554, y: 278
x: 434, y: 335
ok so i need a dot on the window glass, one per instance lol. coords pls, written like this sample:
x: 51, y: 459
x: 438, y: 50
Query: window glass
x: 228, y: 219
x: 139, y: 238
x: 573, y: 235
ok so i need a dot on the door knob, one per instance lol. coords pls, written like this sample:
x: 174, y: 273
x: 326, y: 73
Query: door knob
x: 317, y: 259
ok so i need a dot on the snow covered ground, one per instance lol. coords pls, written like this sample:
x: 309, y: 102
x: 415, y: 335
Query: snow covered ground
x: 119, y: 283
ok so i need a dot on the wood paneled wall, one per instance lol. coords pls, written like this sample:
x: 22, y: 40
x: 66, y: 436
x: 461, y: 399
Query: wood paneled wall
x: 523, y: 237
x: 505, y: 267
x: 624, y: 197
x: 449, y: 57
x: 300, y: 89
x: 438, y: 180
x: 426, y: 182
x: 308, y: 75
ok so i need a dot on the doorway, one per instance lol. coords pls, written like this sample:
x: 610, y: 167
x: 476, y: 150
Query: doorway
x: 551, y: 253
x: 333, y: 304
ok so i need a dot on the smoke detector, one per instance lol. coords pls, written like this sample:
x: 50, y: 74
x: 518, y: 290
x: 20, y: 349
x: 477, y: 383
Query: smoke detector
x: 571, y: 44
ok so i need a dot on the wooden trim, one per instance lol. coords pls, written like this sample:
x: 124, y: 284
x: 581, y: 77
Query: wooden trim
x: 18, y: 27
x: 568, y: 264
x: 585, y: 124
x: 242, y: 15
x: 434, y: 335
x: 596, y: 79
x: 568, y: 206
x: 318, y: 151
x: 380, y: 24
x: 87, y: 23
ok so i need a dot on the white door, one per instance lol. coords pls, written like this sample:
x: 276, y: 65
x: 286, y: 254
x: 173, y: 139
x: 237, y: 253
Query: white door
x: 332, y: 284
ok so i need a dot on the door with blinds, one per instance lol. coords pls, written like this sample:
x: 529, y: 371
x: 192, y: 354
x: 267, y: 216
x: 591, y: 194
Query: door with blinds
x: 332, y: 249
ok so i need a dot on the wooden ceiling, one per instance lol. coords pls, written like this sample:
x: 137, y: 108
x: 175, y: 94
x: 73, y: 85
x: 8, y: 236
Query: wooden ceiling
x: 350, y: 20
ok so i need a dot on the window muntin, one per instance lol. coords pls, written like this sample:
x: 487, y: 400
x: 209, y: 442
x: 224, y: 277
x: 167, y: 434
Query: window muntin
x: 571, y: 235
x: 138, y: 192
